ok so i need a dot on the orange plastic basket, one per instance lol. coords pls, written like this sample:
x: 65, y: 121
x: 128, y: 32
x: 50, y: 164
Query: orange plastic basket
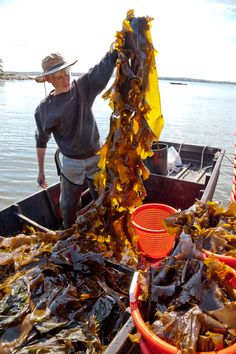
x: 153, y: 240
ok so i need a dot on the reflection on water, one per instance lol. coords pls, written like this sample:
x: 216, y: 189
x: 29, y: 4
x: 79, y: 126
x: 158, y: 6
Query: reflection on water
x: 197, y: 113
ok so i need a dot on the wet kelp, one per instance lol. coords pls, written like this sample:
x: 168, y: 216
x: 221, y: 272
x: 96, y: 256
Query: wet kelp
x: 57, y: 296
x: 211, y: 226
x: 192, y: 298
x: 195, y: 307
x: 136, y: 121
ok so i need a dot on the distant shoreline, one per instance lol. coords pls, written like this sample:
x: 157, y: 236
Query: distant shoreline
x: 184, y: 79
x: 5, y: 76
x: 29, y: 76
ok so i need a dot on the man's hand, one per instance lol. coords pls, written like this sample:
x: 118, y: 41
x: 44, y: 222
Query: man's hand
x: 41, y: 176
x: 42, y: 181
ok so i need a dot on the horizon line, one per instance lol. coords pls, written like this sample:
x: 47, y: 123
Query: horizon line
x: 175, y: 78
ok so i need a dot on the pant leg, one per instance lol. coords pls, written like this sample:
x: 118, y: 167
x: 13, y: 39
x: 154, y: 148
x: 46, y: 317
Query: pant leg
x: 91, y: 168
x: 69, y: 201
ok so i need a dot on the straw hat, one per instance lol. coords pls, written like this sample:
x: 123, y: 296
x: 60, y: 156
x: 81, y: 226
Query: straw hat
x: 52, y: 64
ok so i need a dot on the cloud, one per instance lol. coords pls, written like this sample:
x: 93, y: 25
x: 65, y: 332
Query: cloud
x: 226, y: 8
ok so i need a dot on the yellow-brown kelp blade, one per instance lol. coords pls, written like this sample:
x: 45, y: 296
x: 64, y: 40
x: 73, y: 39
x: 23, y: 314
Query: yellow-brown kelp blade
x: 136, y: 121
x: 134, y: 97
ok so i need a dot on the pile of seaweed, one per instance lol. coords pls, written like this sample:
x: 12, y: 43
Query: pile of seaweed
x: 192, y: 297
x: 136, y: 121
x: 58, y: 296
x: 211, y: 226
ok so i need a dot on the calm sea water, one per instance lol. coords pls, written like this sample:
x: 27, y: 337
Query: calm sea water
x: 196, y: 113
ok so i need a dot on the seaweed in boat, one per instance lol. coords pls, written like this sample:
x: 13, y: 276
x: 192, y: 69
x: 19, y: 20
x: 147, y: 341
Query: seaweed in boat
x: 136, y: 121
x: 59, y: 299
x: 193, y: 300
x: 211, y: 226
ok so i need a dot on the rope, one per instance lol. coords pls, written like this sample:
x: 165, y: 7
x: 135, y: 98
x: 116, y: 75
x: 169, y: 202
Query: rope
x: 202, y: 157
x: 229, y: 159
x: 225, y: 155
x: 45, y: 90
x: 180, y: 147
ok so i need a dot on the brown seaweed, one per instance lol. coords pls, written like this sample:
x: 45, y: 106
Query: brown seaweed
x: 136, y: 121
x: 63, y: 301
x: 212, y: 226
x: 193, y: 296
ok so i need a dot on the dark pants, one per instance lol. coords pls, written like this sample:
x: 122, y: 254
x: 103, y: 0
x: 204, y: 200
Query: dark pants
x: 70, y: 200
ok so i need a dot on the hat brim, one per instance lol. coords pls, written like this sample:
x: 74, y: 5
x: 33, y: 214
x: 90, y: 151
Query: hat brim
x: 42, y: 78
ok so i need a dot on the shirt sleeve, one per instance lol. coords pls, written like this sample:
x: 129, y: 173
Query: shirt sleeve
x: 41, y: 136
x: 101, y: 73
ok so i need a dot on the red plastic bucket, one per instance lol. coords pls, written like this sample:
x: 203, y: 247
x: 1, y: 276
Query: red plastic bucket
x: 150, y: 343
x: 148, y: 222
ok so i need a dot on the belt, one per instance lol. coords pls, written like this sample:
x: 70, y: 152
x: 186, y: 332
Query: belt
x: 84, y: 156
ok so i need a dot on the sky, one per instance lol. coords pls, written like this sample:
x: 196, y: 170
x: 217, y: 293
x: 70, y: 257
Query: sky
x: 193, y: 38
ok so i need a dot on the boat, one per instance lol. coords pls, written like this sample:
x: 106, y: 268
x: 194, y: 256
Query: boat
x: 178, y: 83
x: 195, y: 178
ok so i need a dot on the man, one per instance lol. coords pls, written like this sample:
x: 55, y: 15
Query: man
x: 67, y: 114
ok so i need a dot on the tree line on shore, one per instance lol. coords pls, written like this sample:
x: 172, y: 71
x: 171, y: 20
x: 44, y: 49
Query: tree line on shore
x: 26, y: 76
x: 11, y: 75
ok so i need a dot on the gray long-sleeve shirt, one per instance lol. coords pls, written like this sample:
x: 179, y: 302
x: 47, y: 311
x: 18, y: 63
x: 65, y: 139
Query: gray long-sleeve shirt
x: 69, y: 117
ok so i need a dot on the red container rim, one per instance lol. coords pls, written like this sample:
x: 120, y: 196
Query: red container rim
x: 153, y: 341
x: 145, y: 348
x: 229, y: 260
x: 233, y: 197
x: 165, y: 207
x: 234, y: 189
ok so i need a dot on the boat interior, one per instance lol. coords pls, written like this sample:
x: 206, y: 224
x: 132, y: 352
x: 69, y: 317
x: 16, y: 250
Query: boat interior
x: 195, y: 178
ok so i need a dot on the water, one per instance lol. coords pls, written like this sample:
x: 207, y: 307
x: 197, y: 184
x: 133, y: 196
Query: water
x: 196, y: 113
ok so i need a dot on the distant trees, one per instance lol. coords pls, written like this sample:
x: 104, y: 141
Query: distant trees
x: 1, y: 65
